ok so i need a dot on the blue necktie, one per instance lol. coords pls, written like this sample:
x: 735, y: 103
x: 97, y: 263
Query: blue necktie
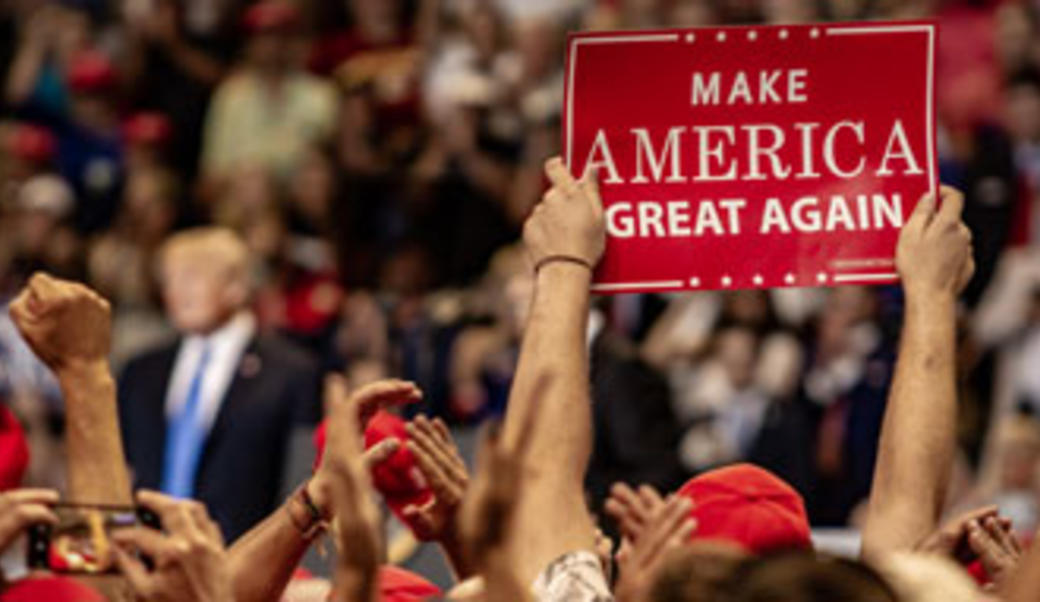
x: 185, y: 437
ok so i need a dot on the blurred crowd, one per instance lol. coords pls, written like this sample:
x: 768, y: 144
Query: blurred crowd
x: 378, y: 159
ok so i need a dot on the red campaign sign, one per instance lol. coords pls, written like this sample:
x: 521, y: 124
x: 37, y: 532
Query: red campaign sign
x: 753, y: 157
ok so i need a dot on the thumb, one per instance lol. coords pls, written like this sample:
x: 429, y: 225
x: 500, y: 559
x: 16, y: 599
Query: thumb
x: 381, y: 452
x: 335, y: 390
x: 923, y: 212
x: 589, y: 184
x: 134, y: 571
x: 417, y: 516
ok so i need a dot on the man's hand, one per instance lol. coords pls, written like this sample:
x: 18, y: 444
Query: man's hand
x: 934, y: 255
x: 917, y: 443
x: 978, y: 534
x: 366, y: 401
x: 668, y: 528
x: 488, y: 510
x: 21, y: 508
x: 951, y: 539
x: 492, y: 499
x: 446, y: 473
x: 65, y: 323
x: 569, y: 221
x: 190, y: 560
x: 357, y: 523
x: 997, y: 548
x: 633, y: 509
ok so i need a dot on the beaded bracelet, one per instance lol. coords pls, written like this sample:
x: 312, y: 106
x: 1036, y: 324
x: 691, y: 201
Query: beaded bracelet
x: 316, y: 522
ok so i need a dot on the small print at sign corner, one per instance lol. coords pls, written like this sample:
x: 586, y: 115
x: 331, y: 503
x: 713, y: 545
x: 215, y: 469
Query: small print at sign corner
x: 753, y: 157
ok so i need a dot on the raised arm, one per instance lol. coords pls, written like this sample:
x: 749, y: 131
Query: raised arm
x: 69, y: 327
x: 565, y: 238
x: 917, y: 445
x: 280, y: 541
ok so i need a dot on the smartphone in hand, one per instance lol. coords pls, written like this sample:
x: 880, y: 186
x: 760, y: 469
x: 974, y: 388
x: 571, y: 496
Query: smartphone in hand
x: 81, y: 543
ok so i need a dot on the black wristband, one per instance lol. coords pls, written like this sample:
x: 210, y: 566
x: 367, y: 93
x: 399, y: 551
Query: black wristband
x: 561, y: 258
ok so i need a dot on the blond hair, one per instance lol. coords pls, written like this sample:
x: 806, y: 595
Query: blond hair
x: 212, y: 246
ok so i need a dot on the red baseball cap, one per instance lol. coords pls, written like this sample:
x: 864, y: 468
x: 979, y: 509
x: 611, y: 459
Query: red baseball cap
x: 90, y: 71
x: 147, y: 128
x: 270, y: 15
x: 31, y: 143
x: 398, y: 479
x: 748, y: 506
x: 14, y: 451
x: 51, y: 589
x: 399, y: 585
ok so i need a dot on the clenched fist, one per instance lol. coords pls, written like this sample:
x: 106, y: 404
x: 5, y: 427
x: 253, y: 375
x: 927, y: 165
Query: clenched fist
x: 569, y: 221
x: 934, y: 256
x: 65, y: 323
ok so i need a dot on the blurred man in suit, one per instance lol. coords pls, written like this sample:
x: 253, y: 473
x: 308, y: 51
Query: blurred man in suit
x: 209, y: 415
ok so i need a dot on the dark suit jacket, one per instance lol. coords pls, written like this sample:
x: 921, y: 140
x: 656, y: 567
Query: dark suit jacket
x: 240, y: 473
x: 636, y: 433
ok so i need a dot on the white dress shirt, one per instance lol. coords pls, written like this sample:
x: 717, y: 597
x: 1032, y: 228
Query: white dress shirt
x: 226, y: 346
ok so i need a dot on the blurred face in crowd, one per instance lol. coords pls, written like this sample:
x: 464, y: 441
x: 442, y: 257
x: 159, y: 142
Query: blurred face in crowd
x: 1023, y: 112
x: 857, y: 303
x: 735, y: 350
x: 846, y: 307
x: 537, y: 42
x: 692, y: 13
x: 93, y: 110
x: 789, y: 11
x: 1020, y: 450
x: 482, y: 26
x: 750, y: 308
x: 1013, y: 36
x: 67, y: 29
x: 376, y: 19
x: 643, y: 13
x: 312, y: 186
x: 907, y: 9
x: 149, y: 204
x: 739, y: 11
x: 270, y: 52
x: 204, y: 279
x: 40, y: 206
x: 33, y: 231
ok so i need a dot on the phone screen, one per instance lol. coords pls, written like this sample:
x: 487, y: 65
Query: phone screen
x: 80, y: 542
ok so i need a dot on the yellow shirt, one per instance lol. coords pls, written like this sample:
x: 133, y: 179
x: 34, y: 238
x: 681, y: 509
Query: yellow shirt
x: 250, y: 123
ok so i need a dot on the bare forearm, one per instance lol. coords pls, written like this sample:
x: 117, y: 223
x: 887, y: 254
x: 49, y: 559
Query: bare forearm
x: 275, y: 544
x: 454, y: 552
x: 195, y: 63
x: 489, y: 175
x: 918, y: 435
x: 1025, y: 583
x: 25, y: 69
x: 501, y: 581
x: 96, y: 464
x: 552, y: 381
x: 351, y: 584
x: 554, y: 352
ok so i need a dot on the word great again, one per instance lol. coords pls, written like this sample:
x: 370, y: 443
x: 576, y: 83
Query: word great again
x: 808, y: 214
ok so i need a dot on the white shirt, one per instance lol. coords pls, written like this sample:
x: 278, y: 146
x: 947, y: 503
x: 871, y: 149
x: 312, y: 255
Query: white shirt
x: 226, y: 346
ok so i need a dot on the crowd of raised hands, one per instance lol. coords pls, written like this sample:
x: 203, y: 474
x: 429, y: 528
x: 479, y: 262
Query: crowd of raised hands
x: 518, y: 527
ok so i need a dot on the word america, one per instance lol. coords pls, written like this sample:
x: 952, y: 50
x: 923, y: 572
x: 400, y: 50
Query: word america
x: 716, y: 155
x: 677, y: 218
